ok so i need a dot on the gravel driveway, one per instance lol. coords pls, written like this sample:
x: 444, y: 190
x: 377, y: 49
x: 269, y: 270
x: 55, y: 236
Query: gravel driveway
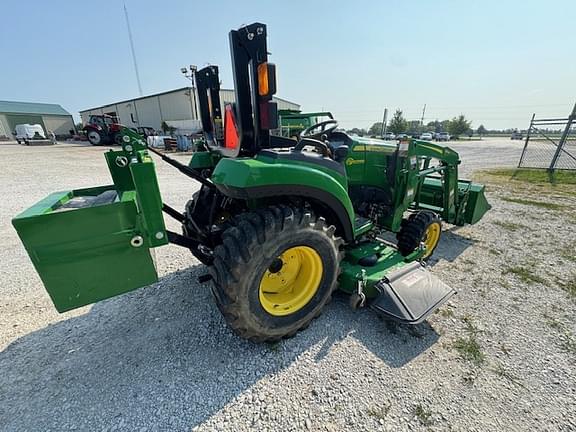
x: 500, y: 356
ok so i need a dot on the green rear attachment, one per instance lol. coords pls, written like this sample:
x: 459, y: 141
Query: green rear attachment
x: 91, y: 244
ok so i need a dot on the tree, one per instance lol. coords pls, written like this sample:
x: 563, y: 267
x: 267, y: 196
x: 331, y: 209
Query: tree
x: 459, y: 126
x: 356, y: 131
x: 481, y: 130
x: 375, y: 129
x: 397, y: 124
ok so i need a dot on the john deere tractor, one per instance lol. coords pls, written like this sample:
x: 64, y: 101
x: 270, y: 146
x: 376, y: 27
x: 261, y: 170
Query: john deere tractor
x: 280, y: 224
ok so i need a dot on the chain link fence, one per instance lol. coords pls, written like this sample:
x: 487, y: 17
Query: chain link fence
x: 544, y: 148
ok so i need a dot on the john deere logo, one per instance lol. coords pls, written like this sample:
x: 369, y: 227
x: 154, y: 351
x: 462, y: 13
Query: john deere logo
x: 351, y: 161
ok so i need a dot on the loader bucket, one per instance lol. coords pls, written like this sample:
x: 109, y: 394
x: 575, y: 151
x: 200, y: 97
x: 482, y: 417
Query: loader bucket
x: 91, y: 244
x: 472, y: 203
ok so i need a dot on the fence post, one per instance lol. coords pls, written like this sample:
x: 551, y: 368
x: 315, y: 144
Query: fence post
x: 526, y: 142
x: 562, y: 140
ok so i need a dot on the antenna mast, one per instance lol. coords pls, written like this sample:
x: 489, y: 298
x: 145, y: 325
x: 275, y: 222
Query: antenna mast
x: 132, y: 49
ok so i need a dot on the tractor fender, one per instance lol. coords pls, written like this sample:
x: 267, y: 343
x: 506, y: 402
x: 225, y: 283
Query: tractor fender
x: 258, y: 178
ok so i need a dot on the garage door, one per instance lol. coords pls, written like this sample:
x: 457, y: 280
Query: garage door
x: 16, y: 119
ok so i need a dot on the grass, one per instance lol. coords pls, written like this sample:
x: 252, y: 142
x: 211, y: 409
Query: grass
x: 552, y: 322
x: 274, y: 346
x: 570, y: 287
x: 502, y: 372
x: 570, y: 253
x: 470, y: 327
x: 534, y: 203
x: 510, y: 226
x: 541, y: 176
x: 524, y: 274
x: 470, y: 349
x: 379, y: 412
x: 446, y: 312
x: 423, y: 415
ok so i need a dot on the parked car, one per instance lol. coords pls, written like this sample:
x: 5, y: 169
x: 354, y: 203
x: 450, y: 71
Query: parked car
x: 389, y: 136
x: 442, y: 136
x: 426, y: 136
x: 517, y: 136
x: 415, y: 135
x: 402, y: 136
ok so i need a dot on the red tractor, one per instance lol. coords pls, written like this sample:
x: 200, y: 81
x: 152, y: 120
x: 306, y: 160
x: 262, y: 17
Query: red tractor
x: 103, y: 129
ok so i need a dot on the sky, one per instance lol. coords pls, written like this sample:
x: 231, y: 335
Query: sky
x: 496, y: 62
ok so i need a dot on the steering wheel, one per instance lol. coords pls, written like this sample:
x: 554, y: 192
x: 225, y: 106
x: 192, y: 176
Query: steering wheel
x: 321, y: 146
x: 326, y: 128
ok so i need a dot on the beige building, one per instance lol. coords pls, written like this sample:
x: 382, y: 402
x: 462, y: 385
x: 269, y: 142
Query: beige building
x: 175, y: 107
x: 51, y: 117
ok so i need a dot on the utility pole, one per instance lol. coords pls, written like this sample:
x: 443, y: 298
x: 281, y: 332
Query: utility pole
x: 384, y: 121
x: 132, y: 49
x: 191, y: 75
x: 423, y: 113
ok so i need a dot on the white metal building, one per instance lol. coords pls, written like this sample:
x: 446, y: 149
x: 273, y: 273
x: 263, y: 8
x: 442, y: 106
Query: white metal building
x: 175, y: 107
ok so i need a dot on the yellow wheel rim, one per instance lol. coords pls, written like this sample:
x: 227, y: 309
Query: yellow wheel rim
x: 431, y: 237
x: 291, y: 281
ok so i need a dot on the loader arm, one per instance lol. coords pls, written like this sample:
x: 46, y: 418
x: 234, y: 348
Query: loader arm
x: 440, y: 190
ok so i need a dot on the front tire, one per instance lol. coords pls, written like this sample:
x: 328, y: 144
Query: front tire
x: 422, y: 227
x: 274, y: 271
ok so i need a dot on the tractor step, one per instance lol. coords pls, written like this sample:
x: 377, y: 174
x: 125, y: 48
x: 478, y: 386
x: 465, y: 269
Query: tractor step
x: 410, y: 294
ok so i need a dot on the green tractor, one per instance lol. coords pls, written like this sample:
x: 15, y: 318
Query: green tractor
x: 292, y: 122
x: 280, y: 224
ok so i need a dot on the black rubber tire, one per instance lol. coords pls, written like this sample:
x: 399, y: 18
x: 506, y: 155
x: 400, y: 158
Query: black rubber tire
x: 95, y: 143
x: 248, y: 248
x: 413, y: 230
x: 117, y: 139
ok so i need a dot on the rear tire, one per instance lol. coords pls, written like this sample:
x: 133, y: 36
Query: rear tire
x: 274, y: 271
x: 422, y: 227
x: 94, y: 138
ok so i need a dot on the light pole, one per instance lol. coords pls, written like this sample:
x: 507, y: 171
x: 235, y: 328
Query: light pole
x: 190, y: 74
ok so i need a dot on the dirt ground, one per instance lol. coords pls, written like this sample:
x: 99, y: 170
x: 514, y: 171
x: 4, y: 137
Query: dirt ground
x: 500, y: 356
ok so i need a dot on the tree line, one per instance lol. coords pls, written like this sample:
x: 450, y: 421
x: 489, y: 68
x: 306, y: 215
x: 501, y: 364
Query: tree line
x: 456, y: 127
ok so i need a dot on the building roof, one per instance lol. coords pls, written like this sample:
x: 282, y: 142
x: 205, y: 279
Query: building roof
x: 32, y: 108
x: 160, y: 94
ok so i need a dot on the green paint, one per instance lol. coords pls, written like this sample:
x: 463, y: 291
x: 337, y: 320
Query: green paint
x: 243, y: 173
x: 88, y: 254
x: 388, y: 260
x: 204, y: 160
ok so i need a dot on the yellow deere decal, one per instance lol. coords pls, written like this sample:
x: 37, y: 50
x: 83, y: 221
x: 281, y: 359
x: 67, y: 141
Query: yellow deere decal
x: 351, y: 161
x: 379, y: 148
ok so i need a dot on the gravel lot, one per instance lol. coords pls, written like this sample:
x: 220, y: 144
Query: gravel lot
x: 500, y: 356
